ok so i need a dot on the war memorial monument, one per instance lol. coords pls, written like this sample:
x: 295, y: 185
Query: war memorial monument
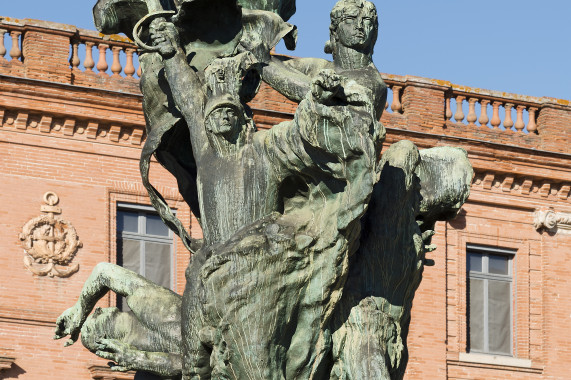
x: 314, y: 242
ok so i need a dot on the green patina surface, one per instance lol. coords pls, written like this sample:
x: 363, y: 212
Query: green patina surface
x: 314, y: 245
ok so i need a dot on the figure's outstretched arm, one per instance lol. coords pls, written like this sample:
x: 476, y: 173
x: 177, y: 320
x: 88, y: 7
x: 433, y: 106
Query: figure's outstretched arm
x: 104, y: 277
x: 288, y: 81
x: 291, y: 77
x: 185, y: 84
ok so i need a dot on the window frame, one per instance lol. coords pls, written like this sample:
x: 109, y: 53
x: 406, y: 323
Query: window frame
x: 486, y: 252
x: 141, y: 235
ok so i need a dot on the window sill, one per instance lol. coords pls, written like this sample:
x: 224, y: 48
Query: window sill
x: 6, y: 362
x: 105, y: 373
x: 498, y: 360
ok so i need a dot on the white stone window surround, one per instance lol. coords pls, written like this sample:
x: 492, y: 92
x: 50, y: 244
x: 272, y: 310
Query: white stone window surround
x: 499, y: 360
x: 485, y: 276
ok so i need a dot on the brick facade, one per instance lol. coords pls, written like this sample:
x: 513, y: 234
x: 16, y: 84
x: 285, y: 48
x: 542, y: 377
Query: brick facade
x: 80, y: 133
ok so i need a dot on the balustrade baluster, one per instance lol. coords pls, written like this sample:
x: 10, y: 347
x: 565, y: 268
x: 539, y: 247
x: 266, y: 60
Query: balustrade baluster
x: 74, y: 61
x: 519, y: 124
x: 129, y: 67
x: 116, y: 66
x: 531, y: 125
x: 15, y: 51
x: 472, y: 117
x: 396, y: 106
x: 508, y: 122
x: 2, y: 47
x: 496, y: 121
x: 484, y: 119
x: 448, y: 109
x: 89, y: 63
x: 102, y: 65
x: 459, y: 115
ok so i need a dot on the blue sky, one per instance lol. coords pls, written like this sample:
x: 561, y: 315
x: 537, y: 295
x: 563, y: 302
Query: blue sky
x: 518, y: 46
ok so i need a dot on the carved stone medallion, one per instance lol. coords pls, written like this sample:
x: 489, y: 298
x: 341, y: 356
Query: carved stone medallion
x: 50, y: 243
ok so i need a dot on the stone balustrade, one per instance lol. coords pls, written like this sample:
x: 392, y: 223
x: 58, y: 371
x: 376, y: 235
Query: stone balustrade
x: 502, y: 106
x: 62, y: 53
x: 12, y: 34
x: 394, y: 96
x: 90, y: 52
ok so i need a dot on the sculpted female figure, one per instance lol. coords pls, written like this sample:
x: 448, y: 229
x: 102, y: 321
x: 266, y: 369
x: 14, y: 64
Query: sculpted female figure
x: 353, y: 33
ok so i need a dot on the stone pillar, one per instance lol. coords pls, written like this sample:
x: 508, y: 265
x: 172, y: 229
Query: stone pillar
x: 553, y: 124
x: 46, y: 54
x: 424, y: 104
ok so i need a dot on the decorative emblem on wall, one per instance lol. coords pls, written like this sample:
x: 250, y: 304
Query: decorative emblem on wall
x: 548, y: 219
x: 50, y: 242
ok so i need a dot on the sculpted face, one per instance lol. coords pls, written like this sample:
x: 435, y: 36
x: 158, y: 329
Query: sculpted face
x: 355, y: 28
x: 224, y: 121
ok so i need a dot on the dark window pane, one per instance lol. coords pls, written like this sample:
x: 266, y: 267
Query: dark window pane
x: 476, y: 314
x: 158, y: 263
x: 474, y: 262
x: 499, y: 316
x: 498, y: 265
x: 130, y: 254
x: 129, y: 257
x: 155, y: 226
x: 127, y: 221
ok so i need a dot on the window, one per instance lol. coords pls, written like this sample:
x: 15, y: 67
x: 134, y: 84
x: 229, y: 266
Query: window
x: 490, y: 284
x: 144, y: 245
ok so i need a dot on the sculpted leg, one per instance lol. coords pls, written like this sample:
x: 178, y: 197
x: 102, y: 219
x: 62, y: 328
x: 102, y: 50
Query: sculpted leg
x: 196, y: 348
x: 146, y: 339
x: 105, y: 277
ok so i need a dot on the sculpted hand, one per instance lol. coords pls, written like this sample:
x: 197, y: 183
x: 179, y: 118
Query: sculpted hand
x: 121, y: 353
x: 165, y: 37
x: 326, y: 85
x: 69, y: 323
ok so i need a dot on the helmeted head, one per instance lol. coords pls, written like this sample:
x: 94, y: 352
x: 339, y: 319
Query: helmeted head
x: 224, y: 116
x: 354, y: 24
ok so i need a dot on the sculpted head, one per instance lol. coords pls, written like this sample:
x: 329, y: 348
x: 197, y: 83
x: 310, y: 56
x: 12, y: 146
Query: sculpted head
x: 355, y: 25
x: 224, y: 117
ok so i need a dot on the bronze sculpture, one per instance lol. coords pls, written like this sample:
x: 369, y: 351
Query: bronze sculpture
x: 313, y: 247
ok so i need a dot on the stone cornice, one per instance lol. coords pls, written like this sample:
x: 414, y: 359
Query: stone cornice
x: 33, y: 90
x: 133, y: 135
x: 543, y: 189
x: 494, y: 157
x: 91, y: 130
